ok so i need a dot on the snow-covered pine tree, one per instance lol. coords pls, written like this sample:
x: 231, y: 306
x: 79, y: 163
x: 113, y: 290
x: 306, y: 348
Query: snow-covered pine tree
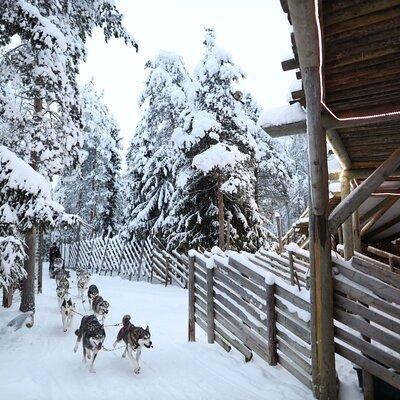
x: 274, y: 169
x: 150, y: 180
x: 92, y: 189
x: 45, y: 42
x: 25, y: 201
x: 218, y: 157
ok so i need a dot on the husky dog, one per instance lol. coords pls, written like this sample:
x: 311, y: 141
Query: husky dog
x: 92, y: 334
x: 67, y: 313
x: 100, y: 307
x: 83, y: 280
x: 135, y: 338
x: 92, y: 293
x: 61, y: 275
x: 61, y: 294
x: 63, y: 282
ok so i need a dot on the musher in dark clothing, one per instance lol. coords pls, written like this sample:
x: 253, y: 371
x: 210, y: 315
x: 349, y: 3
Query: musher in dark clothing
x: 54, y: 252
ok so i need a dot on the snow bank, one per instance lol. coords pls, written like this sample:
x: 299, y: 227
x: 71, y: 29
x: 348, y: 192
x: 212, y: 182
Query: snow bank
x: 282, y: 115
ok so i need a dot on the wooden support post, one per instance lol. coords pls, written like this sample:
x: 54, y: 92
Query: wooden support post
x: 363, y: 191
x: 279, y: 232
x: 210, y: 305
x: 191, y: 317
x: 368, y: 385
x: 291, y: 266
x: 7, y: 296
x: 271, y: 324
x: 356, y: 231
x: 347, y: 227
x: 228, y: 233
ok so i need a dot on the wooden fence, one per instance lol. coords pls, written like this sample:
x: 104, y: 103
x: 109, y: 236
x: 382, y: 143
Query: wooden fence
x: 145, y: 259
x: 242, y: 305
x: 259, y: 303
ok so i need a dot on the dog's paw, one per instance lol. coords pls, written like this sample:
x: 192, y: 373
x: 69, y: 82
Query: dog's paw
x: 136, y: 370
x: 75, y: 349
x: 89, y: 356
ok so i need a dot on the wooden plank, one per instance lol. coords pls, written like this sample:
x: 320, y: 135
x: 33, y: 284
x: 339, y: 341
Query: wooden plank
x: 365, y: 312
x: 305, y: 380
x: 293, y: 327
x: 370, y: 366
x: 300, y: 362
x: 270, y: 323
x: 257, y: 278
x: 292, y: 315
x: 191, y: 317
x: 370, y: 300
x: 368, y: 349
x: 362, y: 192
x: 294, y: 344
x: 210, y: 304
x: 292, y: 298
x: 347, y: 226
x: 368, y: 330
x: 221, y: 278
x: 374, y: 269
x: 240, y: 279
x: 378, y: 287
x: 382, y: 227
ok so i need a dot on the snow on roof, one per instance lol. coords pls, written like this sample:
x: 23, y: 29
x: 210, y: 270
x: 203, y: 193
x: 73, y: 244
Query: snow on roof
x: 22, y: 176
x: 282, y: 115
x: 220, y: 156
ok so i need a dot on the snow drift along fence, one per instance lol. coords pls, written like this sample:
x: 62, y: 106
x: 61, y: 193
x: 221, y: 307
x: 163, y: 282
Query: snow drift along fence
x: 242, y: 305
x: 130, y: 259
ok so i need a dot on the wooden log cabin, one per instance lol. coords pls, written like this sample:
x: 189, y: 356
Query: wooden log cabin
x: 347, y: 56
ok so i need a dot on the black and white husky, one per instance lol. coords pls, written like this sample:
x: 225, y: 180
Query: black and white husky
x: 61, y: 294
x: 100, y: 307
x: 134, y: 337
x: 93, y: 292
x: 67, y: 313
x: 92, y: 335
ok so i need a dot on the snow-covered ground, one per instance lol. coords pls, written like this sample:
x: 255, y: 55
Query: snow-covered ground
x: 39, y: 363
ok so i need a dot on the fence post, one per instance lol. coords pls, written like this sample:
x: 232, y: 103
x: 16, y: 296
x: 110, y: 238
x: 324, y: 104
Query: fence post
x: 121, y: 257
x: 191, y: 324
x: 140, y: 260
x: 210, y: 305
x: 78, y: 250
x: 291, y: 266
x: 166, y: 270
x: 271, y: 324
x: 279, y: 231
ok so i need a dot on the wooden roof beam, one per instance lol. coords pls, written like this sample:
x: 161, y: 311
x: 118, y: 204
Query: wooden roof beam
x: 338, y: 148
x: 327, y: 121
x: 362, y: 192
x: 383, y: 204
x: 382, y: 228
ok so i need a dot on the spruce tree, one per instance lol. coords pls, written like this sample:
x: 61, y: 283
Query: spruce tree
x: 38, y: 90
x: 150, y: 180
x: 92, y: 190
x: 217, y: 162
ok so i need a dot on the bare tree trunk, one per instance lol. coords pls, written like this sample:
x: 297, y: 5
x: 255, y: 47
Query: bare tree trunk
x: 28, y: 283
x: 7, y: 297
x: 40, y: 266
x: 221, y: 221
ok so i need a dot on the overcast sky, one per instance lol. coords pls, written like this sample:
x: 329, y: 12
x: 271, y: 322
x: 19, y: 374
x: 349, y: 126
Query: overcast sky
x: 255, y: 32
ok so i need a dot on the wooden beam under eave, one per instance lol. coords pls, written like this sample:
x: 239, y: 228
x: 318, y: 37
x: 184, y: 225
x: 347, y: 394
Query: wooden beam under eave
x: 338, y: 148
x: 363, y: 191
x: 382, y: 228
x: 328, y: 122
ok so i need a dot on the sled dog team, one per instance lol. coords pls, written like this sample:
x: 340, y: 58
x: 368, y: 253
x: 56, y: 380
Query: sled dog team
x: 91, y: 331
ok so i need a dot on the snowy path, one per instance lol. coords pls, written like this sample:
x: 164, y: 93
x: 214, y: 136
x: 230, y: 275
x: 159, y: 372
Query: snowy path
x: 39, y: 363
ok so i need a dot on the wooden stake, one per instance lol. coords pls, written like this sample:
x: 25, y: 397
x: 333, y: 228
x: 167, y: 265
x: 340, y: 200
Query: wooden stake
x: 271, y: 324
x: 210, y: 305
x: 291, y: 268
x: 221, y: 221
x: 347, y: 227
x: 279, y: 232
x: 191, y: 317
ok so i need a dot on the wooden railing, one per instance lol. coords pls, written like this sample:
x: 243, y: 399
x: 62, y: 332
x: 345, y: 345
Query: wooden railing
x: 242, y: 305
